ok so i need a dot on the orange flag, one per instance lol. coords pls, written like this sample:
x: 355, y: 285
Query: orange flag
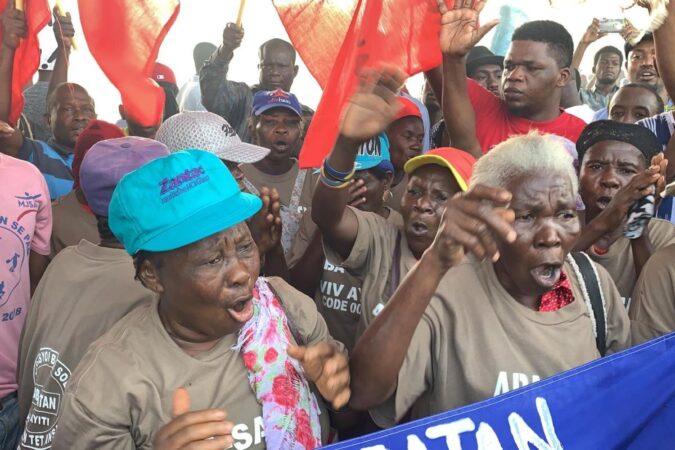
x: 124, y: 37
x: 27, y: 56
x: 337, y: 39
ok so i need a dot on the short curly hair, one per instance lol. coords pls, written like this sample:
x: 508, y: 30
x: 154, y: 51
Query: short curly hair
x: 558, y: 39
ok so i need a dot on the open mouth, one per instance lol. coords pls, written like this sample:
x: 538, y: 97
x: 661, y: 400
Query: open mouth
x: 602, y: 202
x: 419, y: 228
x: 242, y: 310
x: 647, y: 75
x: 281, y: 146
x: 547, y: 275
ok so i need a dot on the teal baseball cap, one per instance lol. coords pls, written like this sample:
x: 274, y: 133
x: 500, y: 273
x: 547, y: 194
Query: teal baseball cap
x: 177, y: 200
x: 373, y: 152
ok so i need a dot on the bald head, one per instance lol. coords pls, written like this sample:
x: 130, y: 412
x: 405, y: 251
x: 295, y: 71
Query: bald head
x: 65, y: 89
x: 277, y: 65
x: 69, y: 110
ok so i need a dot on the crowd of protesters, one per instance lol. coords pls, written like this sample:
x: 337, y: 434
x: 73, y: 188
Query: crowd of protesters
x: 189, y: 285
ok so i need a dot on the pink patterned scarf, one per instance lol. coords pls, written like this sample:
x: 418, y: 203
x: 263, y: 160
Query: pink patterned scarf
x: 290, y: 410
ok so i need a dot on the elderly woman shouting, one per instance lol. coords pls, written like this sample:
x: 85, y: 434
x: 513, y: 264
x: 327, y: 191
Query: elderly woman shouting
x: 372, y: 249
x: 223, y: 357
x: 495, y: 302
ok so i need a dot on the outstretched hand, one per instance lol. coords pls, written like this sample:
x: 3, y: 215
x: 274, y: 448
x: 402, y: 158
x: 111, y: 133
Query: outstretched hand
x: 232, y: 37
x: 374, y: 105
x: 593, y: 33
x: 647, y: 182
x: 460, y: 28
x: 474, y: 222
x: 328, y: 368
x: 266, y: 225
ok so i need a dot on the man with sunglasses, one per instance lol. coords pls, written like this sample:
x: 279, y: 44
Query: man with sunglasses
x: 232, y: 99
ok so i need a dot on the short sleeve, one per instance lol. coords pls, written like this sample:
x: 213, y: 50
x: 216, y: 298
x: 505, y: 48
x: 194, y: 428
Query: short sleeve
x: 43, y: 223
x: 414, y: 378
x: 618, y: 324
x: 482, y: 100
x: 374, y: 234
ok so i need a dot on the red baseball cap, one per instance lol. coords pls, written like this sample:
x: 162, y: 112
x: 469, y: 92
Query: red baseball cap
x: 459, y: 162
x: 97, y: 130
x: 163, y: 73
x: 408, y: 108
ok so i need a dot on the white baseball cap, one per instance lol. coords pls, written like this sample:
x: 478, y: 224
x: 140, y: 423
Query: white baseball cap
x: 209, y: 132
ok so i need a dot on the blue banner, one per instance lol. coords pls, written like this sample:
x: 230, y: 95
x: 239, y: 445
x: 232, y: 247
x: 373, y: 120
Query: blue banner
x: 624, y: 401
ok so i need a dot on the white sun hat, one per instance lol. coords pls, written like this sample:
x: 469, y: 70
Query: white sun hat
x: 206, y: 131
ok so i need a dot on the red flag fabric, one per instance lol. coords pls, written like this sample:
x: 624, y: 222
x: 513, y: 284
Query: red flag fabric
x: 27, y: 56
x: 124, y: 37
x: 368, y: 33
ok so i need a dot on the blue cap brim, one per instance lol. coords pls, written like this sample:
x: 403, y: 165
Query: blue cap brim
x: 204, y: 223
x: 265, y: 108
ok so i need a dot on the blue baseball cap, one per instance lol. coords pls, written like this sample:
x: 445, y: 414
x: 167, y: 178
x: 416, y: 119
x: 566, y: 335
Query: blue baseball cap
x: 177, y: 200
x: 374, y: 153
x: 266, y: 100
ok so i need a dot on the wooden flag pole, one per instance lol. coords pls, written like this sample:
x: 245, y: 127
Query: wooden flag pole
x: 59, y: 11
x: 18, y: 4
x: 242, y: 5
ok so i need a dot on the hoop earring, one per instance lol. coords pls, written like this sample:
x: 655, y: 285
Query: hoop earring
x: 387, y: 196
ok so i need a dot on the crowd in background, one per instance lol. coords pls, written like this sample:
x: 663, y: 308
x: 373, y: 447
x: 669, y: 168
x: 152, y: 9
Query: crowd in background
x: 189, y: 285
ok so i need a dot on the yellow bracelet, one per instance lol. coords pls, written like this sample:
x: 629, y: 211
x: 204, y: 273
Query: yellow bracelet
x: 329, y: 177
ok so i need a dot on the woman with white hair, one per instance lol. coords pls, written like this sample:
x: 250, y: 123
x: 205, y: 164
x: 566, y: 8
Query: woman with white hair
x: 496, y: 301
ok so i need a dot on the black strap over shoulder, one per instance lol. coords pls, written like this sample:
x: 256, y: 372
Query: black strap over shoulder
x: 592, y: 283
x: 395, y: 274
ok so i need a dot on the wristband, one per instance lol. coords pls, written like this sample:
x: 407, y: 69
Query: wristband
x: 328, y: 171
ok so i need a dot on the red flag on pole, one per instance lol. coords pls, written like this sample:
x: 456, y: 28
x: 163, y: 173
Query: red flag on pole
x: 124, y: 36
x: 27, y: 56
x: 368, y: 33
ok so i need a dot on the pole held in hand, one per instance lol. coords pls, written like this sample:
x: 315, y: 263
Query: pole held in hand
x: 59, y: 11
x: 242, y: 5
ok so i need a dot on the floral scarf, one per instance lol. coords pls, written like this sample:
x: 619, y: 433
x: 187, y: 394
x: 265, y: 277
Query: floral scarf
x: 290, y: 410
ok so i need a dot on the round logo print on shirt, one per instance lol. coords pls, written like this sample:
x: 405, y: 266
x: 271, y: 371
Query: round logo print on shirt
x: 50, y: 377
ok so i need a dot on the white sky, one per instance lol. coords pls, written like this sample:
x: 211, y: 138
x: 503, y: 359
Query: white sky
x: 203, y: 20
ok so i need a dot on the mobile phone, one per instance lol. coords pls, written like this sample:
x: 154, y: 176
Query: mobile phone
x: 612, y: 25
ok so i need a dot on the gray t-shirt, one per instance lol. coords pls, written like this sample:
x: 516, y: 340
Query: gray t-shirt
x: 121, y: 393
x: 85, y: 291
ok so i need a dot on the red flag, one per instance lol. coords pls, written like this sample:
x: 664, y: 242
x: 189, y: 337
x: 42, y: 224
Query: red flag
x: 124, y: 36
x: 27, y: 56
x: 403, y: 33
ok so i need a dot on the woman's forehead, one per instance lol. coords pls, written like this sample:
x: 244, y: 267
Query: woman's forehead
x: 231, y: 234
x: 540, y: 184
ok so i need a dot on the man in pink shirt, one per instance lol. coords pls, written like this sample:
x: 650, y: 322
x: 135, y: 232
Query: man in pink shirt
x: 25, y: 229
